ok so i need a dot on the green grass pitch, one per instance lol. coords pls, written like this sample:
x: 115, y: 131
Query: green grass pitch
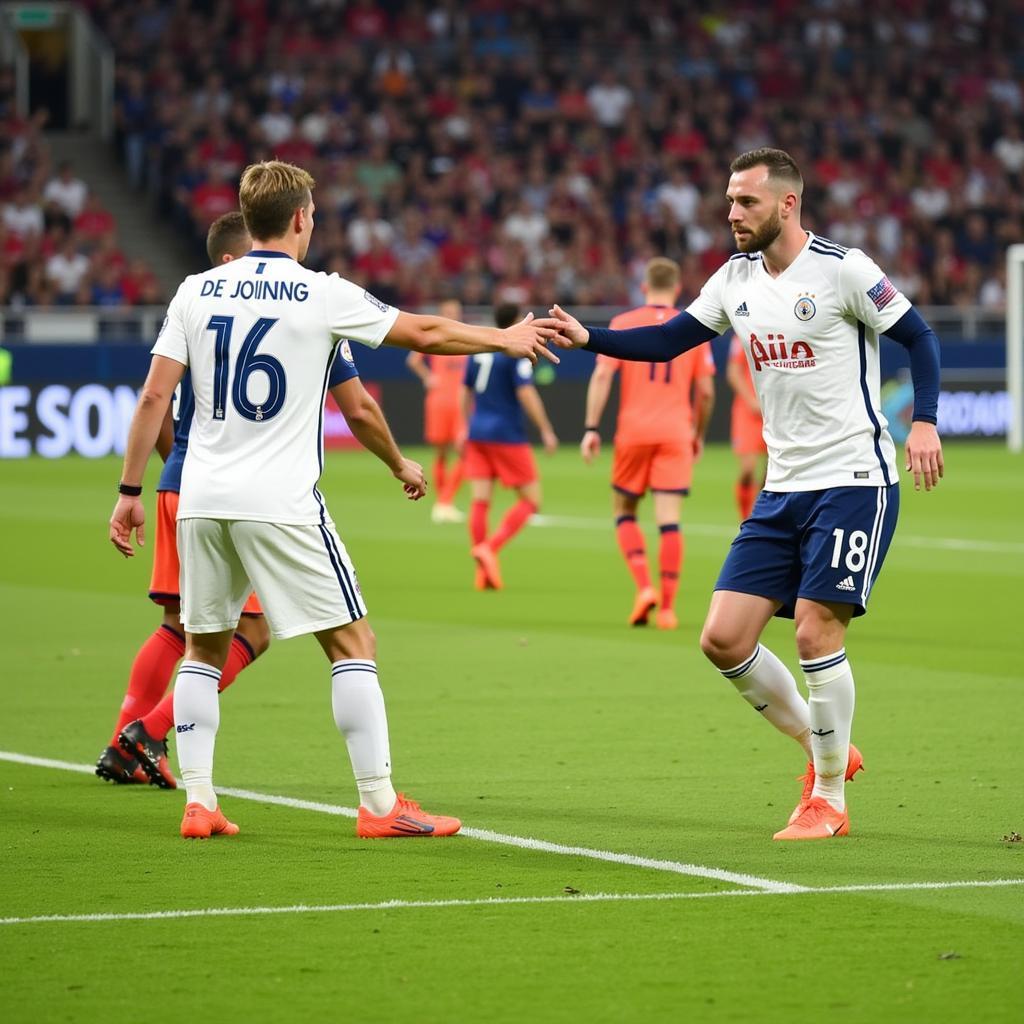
x: 533, y: 713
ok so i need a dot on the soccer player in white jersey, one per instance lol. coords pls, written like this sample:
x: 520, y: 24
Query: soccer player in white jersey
x: 259, y: 335
x: 809, y: 314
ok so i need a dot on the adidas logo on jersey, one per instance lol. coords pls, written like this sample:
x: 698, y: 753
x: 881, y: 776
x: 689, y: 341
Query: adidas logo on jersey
x: 741, y: 310
x: 846, y: 584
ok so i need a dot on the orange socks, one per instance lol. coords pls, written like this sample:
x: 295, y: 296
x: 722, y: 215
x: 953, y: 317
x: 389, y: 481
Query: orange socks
x: 670, y: 562
x: 150, y: 675
x: 631, y: 544
x: 746, y: 494
x: 478, y: 521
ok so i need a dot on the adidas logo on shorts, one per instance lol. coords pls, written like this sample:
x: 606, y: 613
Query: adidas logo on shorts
x: 846, y: 584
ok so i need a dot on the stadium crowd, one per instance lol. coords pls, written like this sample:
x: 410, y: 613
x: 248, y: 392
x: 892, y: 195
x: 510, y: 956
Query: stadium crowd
x: 58, y: 245
x: 546, y: 149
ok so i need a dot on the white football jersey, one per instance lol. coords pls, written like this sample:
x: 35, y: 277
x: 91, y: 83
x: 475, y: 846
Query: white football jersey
x: 259, y: 336
x: 810, y: 336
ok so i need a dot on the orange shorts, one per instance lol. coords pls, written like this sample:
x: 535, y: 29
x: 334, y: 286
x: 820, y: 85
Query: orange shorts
x: 165, y: 586
x: 638, y: 468
x: 745, y: 431
x: 511, y: 464
x: 442, y: 420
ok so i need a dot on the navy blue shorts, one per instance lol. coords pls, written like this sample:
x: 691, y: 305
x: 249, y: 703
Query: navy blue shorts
x: 822, y: 545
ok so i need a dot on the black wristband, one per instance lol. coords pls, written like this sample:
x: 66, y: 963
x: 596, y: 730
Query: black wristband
x: 128, y: 490
x: 587, y: 430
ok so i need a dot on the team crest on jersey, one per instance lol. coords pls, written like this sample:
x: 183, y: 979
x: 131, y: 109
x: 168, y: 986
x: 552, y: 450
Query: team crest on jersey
x: 804, y: 308
x: 374, y: 301
x: 346, y: 352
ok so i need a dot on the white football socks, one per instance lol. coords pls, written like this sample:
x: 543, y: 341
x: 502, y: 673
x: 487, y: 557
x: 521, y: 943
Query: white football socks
x: 196, y: 718
x: 769, y: 687
x: 360, y: 716
x: 830, y: 685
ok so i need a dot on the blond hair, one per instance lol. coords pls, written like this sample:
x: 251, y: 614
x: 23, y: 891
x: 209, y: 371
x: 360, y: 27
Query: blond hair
x: 662, y: 274
x: 270, y: 193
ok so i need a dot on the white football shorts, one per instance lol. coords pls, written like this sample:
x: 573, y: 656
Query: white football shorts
x: 302, y: 576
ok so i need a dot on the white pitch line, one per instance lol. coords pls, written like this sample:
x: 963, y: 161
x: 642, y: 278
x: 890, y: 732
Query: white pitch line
x: 494, y: 901
x: 484, y: 835
x: 713, y: 530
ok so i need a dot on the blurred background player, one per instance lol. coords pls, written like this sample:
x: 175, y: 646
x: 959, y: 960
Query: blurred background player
x: 444, y: 427
x: 498, y: 390
x: 664, y: 409
x: 745, y: 429
x: 145, y: 739
x: 138, y: 748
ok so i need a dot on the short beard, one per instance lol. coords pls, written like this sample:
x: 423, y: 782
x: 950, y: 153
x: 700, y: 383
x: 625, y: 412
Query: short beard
x: 759, y: 240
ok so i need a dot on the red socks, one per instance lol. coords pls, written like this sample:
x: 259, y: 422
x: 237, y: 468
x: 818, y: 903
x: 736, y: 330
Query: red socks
x: 440, y: 475
x: 515, y: 519
x: 670, y: 562
x: 151, y: 673
x: 746, y: 494
x: 160, y: 721
x: 449, y: 483
x: 631, y: 544
x: 478, y: 521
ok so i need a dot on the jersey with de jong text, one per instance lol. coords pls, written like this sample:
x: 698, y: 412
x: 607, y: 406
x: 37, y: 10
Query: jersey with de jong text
x: 258, y: 335
x: 655, y: 403
x: 494, y: 380
x: 810, y: 336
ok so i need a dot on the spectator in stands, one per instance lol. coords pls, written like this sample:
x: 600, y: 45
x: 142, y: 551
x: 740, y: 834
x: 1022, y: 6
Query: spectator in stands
x: 67, y: 270
x: 66, y: 190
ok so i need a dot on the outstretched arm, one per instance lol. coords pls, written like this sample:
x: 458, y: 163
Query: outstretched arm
x: 656, y: 344
x: 438, y: 335
x: 923, y: 448
x: 371, y: 430
x: 129, y: 514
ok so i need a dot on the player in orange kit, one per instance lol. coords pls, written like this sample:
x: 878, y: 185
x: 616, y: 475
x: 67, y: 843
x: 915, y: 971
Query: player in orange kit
x: 745, y: 430
x: 444, y: 426
x: 664, y: 410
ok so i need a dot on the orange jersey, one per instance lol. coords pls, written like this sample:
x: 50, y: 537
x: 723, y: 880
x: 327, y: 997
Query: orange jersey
x: 448, y: 372
x: 655, y: 398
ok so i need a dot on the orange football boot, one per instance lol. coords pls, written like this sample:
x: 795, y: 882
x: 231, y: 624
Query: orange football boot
x: 488, y: 561
x: 818, y: 820
x: 480, y: 581
x: 853, y: 765
x: 645, y: 603
x: 666, y: 619
x: 200, y: 823
x: 405, y: 819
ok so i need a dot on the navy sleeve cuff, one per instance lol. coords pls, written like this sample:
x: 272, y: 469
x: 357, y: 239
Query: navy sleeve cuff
x: 920, y: 341
x: 656, y: 344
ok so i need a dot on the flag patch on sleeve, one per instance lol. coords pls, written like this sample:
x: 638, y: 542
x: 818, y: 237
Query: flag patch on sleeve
x: 882, y: 293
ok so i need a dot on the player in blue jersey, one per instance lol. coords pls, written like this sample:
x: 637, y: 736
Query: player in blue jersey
x: 809, y: 314
x: 498, y: 392
x: 138, y: 751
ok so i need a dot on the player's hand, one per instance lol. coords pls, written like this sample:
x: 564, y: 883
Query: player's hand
x: 590, y: 446
x: 129, y: 514
x: 924, y: 455
x: 429, y: 382
x: 698, y: 448
x: 414, y: 482
x: 571, y: 333
x: 550, y: 442
x: 528, y: 339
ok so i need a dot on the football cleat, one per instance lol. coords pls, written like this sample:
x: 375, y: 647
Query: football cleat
x: 818, y: 820
x: 480, y: 580
x: 151, y: 754
x: 645, y: 603
x: 446, y: 514
x: 854, y: 764
x: 406, y: 819
x: 200, y: 823
x: 487, y: 559
x: 666, y: 619
x: 117, y: 767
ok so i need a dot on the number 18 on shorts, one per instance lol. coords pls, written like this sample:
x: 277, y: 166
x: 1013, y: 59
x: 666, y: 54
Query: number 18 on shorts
x: 825, y: 546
